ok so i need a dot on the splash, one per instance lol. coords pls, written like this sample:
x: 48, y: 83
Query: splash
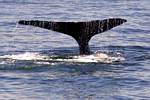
x: 25, y: 56
x: 98, y: 58
x: 53, y: 59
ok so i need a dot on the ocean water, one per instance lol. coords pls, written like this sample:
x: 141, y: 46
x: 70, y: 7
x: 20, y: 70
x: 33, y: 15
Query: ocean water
x: 35, y: 63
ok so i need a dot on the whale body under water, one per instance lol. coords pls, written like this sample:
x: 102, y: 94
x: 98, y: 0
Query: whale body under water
x: 82, y: 32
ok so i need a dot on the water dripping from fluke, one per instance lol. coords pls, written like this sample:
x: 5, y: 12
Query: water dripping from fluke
x: 82, y: 32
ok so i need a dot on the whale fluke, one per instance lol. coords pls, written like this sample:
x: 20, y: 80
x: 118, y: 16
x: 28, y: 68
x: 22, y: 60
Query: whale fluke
x: 82, y: 32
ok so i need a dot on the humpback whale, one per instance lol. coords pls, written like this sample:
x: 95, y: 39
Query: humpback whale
x: 82, y: 32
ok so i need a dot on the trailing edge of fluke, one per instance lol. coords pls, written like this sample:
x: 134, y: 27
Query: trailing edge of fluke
x: 82, y: 32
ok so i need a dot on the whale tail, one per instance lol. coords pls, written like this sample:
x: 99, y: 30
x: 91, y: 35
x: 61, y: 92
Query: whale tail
x: 82, y: 32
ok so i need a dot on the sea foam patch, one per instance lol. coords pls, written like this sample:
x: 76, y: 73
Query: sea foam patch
x: 45, y: 59
x: 25, y: 56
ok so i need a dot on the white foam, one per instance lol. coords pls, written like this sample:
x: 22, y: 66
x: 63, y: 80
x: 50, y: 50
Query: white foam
x: 25, y: 56
x: 98, y: 57
x: 44, y: 59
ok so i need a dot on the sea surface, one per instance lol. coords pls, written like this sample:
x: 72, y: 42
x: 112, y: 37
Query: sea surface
x: 34, y: 62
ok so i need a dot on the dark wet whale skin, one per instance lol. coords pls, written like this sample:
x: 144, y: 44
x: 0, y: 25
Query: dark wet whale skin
x: 82, y: 32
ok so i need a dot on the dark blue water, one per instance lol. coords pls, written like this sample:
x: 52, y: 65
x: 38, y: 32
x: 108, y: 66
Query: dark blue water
x: 34, y: 80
